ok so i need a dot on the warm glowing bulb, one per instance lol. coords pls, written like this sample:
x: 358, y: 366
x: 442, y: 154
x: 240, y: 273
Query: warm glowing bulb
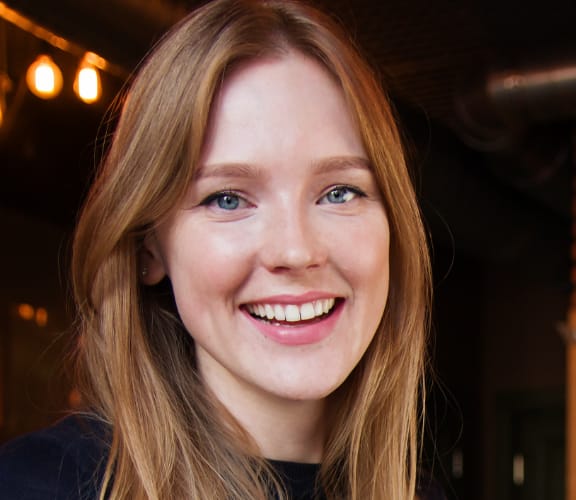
x: 5, y: 86
x: 87, y: 84
x: 41, y: 316
x: 75, y: 398
x: 25, y: 311
x: 44, y: 78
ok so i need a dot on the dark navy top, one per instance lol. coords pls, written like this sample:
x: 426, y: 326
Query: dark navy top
x: 67, y: 462
x: 63, y: 462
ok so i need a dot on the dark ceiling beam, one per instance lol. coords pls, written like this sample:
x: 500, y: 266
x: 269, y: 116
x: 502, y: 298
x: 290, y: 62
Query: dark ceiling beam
x: 121, y: 31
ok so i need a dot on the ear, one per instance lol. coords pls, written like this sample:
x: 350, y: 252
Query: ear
x: 151, y: 264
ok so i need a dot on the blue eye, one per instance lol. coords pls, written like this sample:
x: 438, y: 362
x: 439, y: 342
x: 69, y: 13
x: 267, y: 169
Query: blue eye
x: 224, y: 200
x: 227, y: 201
x: 341, y: 194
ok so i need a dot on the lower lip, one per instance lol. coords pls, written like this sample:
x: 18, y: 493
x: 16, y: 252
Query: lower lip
x: 294, y: 335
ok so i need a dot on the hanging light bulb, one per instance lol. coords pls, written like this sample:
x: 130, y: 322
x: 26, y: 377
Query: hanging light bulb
x: 44, y: 78
x: 87, y: 83
x: 4, y: 86
x: 4, y: 80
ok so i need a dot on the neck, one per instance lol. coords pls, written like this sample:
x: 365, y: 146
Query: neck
x: 293, y: 431
x: 283, y: 429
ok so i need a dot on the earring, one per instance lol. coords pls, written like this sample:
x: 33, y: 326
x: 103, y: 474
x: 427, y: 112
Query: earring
x: 144, y: 271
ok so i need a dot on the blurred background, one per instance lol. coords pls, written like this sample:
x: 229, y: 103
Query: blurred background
x: 486, y: 93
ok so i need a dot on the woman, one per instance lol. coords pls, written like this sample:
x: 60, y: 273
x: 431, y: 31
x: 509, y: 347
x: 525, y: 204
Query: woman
x: 251, y: 275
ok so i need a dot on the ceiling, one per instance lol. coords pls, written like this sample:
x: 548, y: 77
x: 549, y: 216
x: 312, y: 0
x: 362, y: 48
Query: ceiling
x: 492, y: 166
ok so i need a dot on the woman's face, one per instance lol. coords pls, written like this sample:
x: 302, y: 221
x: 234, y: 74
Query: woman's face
x: 278, y: 256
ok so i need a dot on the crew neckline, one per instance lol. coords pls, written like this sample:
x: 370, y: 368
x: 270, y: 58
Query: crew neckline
x: 299, y: 478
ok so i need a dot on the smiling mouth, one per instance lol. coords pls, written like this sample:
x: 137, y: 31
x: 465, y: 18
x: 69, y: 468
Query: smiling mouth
x: 286, y: 314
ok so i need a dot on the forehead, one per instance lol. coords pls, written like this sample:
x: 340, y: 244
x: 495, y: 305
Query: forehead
x: 279, y: 102
x: 282, y: 72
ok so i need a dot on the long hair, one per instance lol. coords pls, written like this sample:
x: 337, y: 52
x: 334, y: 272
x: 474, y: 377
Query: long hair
x: 135, y: 359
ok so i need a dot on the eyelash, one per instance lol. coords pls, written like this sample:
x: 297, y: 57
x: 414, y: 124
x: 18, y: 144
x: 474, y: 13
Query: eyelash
x: 214, y: 197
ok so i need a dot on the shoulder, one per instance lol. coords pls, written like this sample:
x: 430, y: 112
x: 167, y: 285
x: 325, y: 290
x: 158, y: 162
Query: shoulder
x: 64, y: 461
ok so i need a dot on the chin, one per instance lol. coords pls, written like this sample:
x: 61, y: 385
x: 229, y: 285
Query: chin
x: 306, y: 391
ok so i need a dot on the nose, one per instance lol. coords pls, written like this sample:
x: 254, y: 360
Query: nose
x: 293, y: 241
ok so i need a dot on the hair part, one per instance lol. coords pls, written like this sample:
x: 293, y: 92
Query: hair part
x: 135, y: 358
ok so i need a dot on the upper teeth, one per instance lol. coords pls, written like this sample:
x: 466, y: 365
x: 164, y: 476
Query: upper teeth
x: 292, y: 312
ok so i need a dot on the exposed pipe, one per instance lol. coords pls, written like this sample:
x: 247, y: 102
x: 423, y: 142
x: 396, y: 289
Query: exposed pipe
x: 534, y: 95
x: 494, y: 115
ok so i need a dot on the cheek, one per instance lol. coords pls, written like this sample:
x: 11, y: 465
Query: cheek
x: 364, y: 253
x: 203, y: 262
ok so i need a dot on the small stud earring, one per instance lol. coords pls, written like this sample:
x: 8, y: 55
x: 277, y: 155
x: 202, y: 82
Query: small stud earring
x: 144, y: 271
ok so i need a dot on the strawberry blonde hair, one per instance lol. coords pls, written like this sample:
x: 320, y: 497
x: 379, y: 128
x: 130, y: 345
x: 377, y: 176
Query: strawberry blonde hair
x: 170, y: 439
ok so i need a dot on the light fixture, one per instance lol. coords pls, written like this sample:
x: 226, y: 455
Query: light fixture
x: 5, y: 87
x: 26, y: 311
x: 87, y: 82
x: 44, y: 77
x: 4, y: 80
x: 2, y: 103
x: 41, y: 317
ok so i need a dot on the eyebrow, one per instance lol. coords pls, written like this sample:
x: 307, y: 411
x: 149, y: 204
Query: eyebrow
x: 232, y: 169
x: 336, y: 163
x: 248, y: 170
